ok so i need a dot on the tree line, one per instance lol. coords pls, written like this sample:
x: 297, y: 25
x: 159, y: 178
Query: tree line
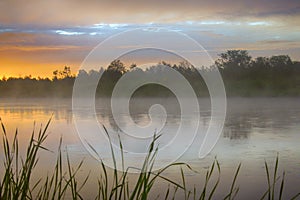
x: 242, y: 75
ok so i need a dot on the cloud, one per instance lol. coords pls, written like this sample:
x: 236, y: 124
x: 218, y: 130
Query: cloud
x: 115, y: 12
x: 61, y: 32
x: 41, y: 48
x: 280, y: 44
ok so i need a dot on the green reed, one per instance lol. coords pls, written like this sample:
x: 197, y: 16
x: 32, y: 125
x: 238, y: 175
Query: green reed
x: 272, y: 181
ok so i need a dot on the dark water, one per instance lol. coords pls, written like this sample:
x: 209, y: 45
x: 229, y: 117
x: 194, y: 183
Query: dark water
x: 256, y: 129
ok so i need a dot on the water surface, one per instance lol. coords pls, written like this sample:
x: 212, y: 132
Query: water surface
x: 256, y: 129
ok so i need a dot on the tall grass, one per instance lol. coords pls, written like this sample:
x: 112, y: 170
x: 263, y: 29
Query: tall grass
x: 16, y: 179
x: 270, y: 194
x: 120, y: 188
x: 63, y: 183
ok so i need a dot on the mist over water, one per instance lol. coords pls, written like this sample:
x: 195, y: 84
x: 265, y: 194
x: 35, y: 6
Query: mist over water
x: 255, y: 129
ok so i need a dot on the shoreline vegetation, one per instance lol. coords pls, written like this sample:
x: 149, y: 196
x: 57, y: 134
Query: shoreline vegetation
x: 63, y: 182
x: 275, y: 76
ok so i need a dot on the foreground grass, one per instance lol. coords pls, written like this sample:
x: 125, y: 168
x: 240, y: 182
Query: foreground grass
x: 15, y: 182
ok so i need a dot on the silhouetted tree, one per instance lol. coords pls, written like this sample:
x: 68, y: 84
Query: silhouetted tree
x: 117, y: 66
x: 233, y: 59
x: 263, y: 76
x: 62, y: 74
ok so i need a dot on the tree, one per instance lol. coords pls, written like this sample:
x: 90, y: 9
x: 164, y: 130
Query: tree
x: 55, y: 74
x: 82, y: 73
x: 280, y: 61
x: 62, y: 74
x: 117, y: 66
x: 133, y: 66
x: 261, y: 62
x: 233, y: 59
x: 66, y: 73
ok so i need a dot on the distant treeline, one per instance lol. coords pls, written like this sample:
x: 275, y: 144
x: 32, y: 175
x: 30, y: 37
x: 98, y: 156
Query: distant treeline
x: 242, y: 76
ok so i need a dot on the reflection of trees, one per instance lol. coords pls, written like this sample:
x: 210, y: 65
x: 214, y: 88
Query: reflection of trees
x: 38, y: 110
x: 238, y: 127
x: 272, y: 115
x: 244, y: 115
x: 139, y: 109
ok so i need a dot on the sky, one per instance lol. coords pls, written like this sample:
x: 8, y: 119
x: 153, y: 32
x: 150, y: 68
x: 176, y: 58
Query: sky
x: 38, y: 37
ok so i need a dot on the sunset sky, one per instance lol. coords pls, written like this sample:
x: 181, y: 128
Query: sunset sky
x: 37, y: 36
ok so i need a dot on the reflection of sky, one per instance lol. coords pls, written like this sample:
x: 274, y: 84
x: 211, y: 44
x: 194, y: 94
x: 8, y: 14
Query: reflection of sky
x: 243, y: 116
x: 39, y: 38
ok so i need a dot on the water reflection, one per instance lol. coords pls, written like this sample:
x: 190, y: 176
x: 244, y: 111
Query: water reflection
x: 36, y: 109
x: 269, y: 115
x: 255, y: 129
x: 238, y: 128
x: 243, y: 115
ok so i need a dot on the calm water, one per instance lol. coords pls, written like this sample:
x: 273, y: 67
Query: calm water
x: 256, y: 129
